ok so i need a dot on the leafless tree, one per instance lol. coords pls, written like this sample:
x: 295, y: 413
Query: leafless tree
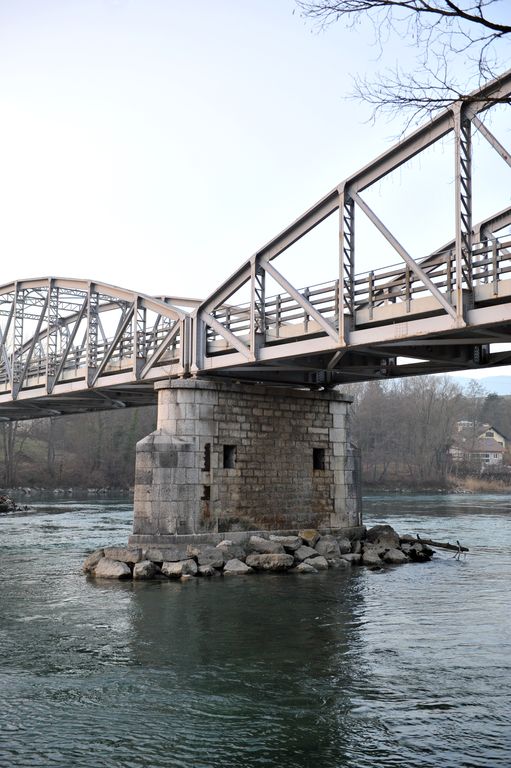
x: 459, y: 46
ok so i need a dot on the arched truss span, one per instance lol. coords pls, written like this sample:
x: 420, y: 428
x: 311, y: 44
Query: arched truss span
x: 59, y: 335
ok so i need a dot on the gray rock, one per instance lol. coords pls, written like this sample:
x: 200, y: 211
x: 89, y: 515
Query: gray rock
x: 92, y: 560
x: 146, y: 569
x: 309, y: 536
x: 328, y: 546
x: 345, y: 546
x: 235, y: 567
x: 174, y: 570
x: 211, y: 556
x: 356, y: 547
x: 270, y: 561
x: 303, y: 552
x: 172, y: 554
x: 7, y: 504
x: 231, y: 550
x: 290, y: 543
x: 418, y: 552
x: 352, y: 558
x: 264, y: 546
x: 111, y: 569
x: 383, y: 536
x: 371, y: 557
x: 320, y: 563
x: 395, y: 556
x: 123, y: 554
x: 303, y: 568
x: 336, y: 562
x: 207, y: 570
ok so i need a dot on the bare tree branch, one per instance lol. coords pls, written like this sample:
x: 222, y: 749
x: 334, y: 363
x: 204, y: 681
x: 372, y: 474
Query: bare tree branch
x: 443, y: 32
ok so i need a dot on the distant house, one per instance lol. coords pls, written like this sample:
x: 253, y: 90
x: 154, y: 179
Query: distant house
x: 478, y: 444
x: 489, y: 432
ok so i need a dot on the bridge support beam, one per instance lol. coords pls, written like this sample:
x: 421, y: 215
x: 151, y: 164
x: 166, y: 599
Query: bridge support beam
x: 235, y: 457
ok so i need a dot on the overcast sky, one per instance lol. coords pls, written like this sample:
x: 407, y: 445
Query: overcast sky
x: 156, y: 144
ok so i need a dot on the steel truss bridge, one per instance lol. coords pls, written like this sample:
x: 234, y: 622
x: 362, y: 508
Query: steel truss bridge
x: 68, y: 346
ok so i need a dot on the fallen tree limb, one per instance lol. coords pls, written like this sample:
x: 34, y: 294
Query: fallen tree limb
x: 430, y: 543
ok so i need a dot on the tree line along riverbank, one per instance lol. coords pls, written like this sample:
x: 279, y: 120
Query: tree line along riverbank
x: 404, y: 429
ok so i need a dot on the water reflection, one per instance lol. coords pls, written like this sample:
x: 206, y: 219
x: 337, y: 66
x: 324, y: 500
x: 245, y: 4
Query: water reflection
x: 410, y: 666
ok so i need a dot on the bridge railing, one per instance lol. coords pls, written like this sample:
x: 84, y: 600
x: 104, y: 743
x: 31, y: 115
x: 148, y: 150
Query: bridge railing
x: 284, y: 317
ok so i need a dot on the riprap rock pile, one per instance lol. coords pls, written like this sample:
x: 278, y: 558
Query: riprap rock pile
x: 306, y: 552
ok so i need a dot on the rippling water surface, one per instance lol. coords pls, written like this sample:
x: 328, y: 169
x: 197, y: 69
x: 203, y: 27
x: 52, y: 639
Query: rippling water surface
x: 410, y: 666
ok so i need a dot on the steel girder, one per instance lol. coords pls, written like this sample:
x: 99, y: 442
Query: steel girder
x: 238, y: 341
x: 72, y: 345
x: 63, y: 335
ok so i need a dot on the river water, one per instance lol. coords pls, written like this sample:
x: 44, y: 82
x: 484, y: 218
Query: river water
x: 408, y: 666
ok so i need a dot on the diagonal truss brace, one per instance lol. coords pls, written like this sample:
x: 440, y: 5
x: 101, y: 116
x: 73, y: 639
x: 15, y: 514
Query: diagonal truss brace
x: 233, y: 340
x: 51, y: 383
x: 121, y: 330
x: 160, y: 349
x: 491, y: 139
x: 302, y: 301
x: 405, y: 256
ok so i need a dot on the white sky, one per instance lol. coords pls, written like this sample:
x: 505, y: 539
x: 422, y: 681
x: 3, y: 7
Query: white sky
x: 156, y: 144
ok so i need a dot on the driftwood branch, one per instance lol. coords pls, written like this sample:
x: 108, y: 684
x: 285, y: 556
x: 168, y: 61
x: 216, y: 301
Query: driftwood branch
x: 430, y: 543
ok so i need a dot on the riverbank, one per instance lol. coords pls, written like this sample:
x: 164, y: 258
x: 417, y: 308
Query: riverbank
x: 453, y: 485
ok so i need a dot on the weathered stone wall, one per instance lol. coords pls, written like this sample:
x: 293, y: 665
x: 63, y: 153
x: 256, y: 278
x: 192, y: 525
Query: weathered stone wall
x: 230, y: 456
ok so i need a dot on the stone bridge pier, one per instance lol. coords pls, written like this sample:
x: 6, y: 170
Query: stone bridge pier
x: 228, y: 458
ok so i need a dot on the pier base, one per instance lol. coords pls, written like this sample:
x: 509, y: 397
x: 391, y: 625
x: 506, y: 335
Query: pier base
x: 235, y: 457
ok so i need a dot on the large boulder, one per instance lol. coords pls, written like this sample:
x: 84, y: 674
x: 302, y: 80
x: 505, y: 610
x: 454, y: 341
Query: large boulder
x: 7, y: 504
x: 382, y: 537
x: 303, y: 568
x: 395, y: 557
x: 211, y: 556
x: 417, y: 552
x: 371, y: 556
x: 328, y: 547
x: 235, y: 567
x: 146, y: 569
x: 345, y: 545
x: 231, y: 550
x: 174, y: 570
x: 320, y: 563
x: 207, y: 570
x: 124, y: 554
x: 270, y: 561
x: 92, y: 560
x: 352, y: 558
x: 290, y: 543
x: 171, y: 554
x: 303, y: 552
x: 264, y: 546
x: 336, y: 562
x: 309, y: 536
x: 111, y: 569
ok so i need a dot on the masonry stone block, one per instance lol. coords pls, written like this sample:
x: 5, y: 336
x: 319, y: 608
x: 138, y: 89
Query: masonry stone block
x: 259, y: 443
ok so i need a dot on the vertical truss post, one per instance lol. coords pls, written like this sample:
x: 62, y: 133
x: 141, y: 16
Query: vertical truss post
x: 257, y: 307
x: 198, y: 332
x: 346, y: 264
x: 139, y: 349
x: 463, y: 209
x: 17, y: 347
x: 92, y: 333
x: 52, y: 333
